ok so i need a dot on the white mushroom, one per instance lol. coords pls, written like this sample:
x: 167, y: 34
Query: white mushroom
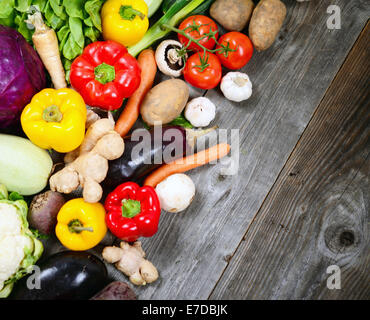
x: 176, y: 192
x: 200, y: 112
x: 168, y: 59
x: 236, y: 86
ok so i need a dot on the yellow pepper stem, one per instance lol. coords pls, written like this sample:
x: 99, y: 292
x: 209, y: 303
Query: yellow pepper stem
x: 52, y: 114
x: 76, y: 226
x: 129, y: 13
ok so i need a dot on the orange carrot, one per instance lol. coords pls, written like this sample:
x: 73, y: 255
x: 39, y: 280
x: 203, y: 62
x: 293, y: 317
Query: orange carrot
x: 131, y: 111
x: 187, y: 163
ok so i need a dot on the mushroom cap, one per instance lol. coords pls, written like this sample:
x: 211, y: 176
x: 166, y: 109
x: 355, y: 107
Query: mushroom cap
x: 167, y: 58
x: 176, y: 192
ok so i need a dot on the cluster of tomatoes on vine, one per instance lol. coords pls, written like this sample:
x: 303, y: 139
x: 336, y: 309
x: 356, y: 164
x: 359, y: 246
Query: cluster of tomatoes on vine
x: 200, y: 34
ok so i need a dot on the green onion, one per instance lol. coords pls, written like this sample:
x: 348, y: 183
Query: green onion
x: 179, y: 10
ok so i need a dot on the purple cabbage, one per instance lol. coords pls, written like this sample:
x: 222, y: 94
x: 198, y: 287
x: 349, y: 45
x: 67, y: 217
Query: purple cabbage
x: 22, y: 75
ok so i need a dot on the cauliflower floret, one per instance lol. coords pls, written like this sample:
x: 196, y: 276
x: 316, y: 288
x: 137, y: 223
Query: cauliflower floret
x: 12, y: 242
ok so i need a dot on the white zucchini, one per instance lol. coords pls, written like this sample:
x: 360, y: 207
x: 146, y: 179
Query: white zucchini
x: 24, y: 167
x: 153, y: 6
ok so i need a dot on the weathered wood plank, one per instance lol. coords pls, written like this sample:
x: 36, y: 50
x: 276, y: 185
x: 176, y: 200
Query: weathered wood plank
x: 290, y: 79
x: 192, y: 248
x: 317, y: 214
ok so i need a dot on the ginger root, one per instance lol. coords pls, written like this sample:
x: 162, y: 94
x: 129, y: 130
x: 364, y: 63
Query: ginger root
x: 89, y: 166
x: 129, y: 259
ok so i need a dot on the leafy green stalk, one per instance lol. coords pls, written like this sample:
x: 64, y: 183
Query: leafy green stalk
x: 174, y: 15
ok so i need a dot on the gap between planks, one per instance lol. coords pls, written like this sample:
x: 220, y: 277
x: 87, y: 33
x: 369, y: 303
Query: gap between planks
x: 289, y: 158
x: 351, y: 56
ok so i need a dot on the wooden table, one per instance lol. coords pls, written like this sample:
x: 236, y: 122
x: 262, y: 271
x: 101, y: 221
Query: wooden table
x: 300, y: 200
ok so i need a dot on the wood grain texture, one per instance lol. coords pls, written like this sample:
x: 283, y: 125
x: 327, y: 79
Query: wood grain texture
x: 317, y: 214
x: 192, y: 248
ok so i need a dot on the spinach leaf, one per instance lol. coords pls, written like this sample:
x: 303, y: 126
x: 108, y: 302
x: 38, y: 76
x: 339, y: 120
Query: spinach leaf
x: 58, y: 9
x: 71, y: 49
x: 40, y: 4
x: 6, y: 8
x: 91, y: 33
x: 88, y: 22
x: 23, y: 5
x: 67, y: 68
x: 8, y: 21
x: 63, y: 34
x: 181, y: 121
x: 75, y: 24
x: 55, y: 22
x: 74, y: 8
x: 93, y: 7
x: 22, y: 26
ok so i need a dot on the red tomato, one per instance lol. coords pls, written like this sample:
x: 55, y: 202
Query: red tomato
x: 243, y: 50
x: 203, y: 71
x: 196, y: 27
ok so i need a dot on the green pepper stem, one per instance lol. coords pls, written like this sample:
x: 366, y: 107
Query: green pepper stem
x: 104, y: 73
x: 129, y: 13
x: 130, y: 208
x: 76, y: 226
x: 52, y: 114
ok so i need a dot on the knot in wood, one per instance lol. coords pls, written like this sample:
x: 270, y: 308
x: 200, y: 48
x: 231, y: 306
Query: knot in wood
x: 341, y: 239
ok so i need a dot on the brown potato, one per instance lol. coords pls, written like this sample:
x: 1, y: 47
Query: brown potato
x: 233, y: 15
x: 165, y: 102
x: 266, y: 22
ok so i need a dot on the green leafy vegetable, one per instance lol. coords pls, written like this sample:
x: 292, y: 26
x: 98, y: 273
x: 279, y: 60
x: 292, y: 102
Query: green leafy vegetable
x: 6, y: 8
x: 14, y: 196
x: 74, y: 8
x: 23, y: 5
x: 92, y: 7
x: 75, y: 25
x: 181, y: 121
x: 76, y: 22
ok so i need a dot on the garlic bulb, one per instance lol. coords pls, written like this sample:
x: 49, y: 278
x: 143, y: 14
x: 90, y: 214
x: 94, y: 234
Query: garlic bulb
x: 200, y: 112
x: 236, y: 86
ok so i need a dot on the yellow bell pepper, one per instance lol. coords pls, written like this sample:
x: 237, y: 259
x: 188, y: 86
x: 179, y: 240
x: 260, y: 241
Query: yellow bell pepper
x: 55, y: 119
x: 81, y: 225
x: 124, y: 21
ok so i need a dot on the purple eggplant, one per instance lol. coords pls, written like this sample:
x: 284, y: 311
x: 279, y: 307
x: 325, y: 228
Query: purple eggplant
x: 146, y: 150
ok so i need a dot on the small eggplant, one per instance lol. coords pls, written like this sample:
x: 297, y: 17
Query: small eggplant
x: 142, y: 157
x: 68, y: 275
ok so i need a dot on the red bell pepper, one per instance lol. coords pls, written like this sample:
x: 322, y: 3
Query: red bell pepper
x: 132, y: 212
x: 105, y: 74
